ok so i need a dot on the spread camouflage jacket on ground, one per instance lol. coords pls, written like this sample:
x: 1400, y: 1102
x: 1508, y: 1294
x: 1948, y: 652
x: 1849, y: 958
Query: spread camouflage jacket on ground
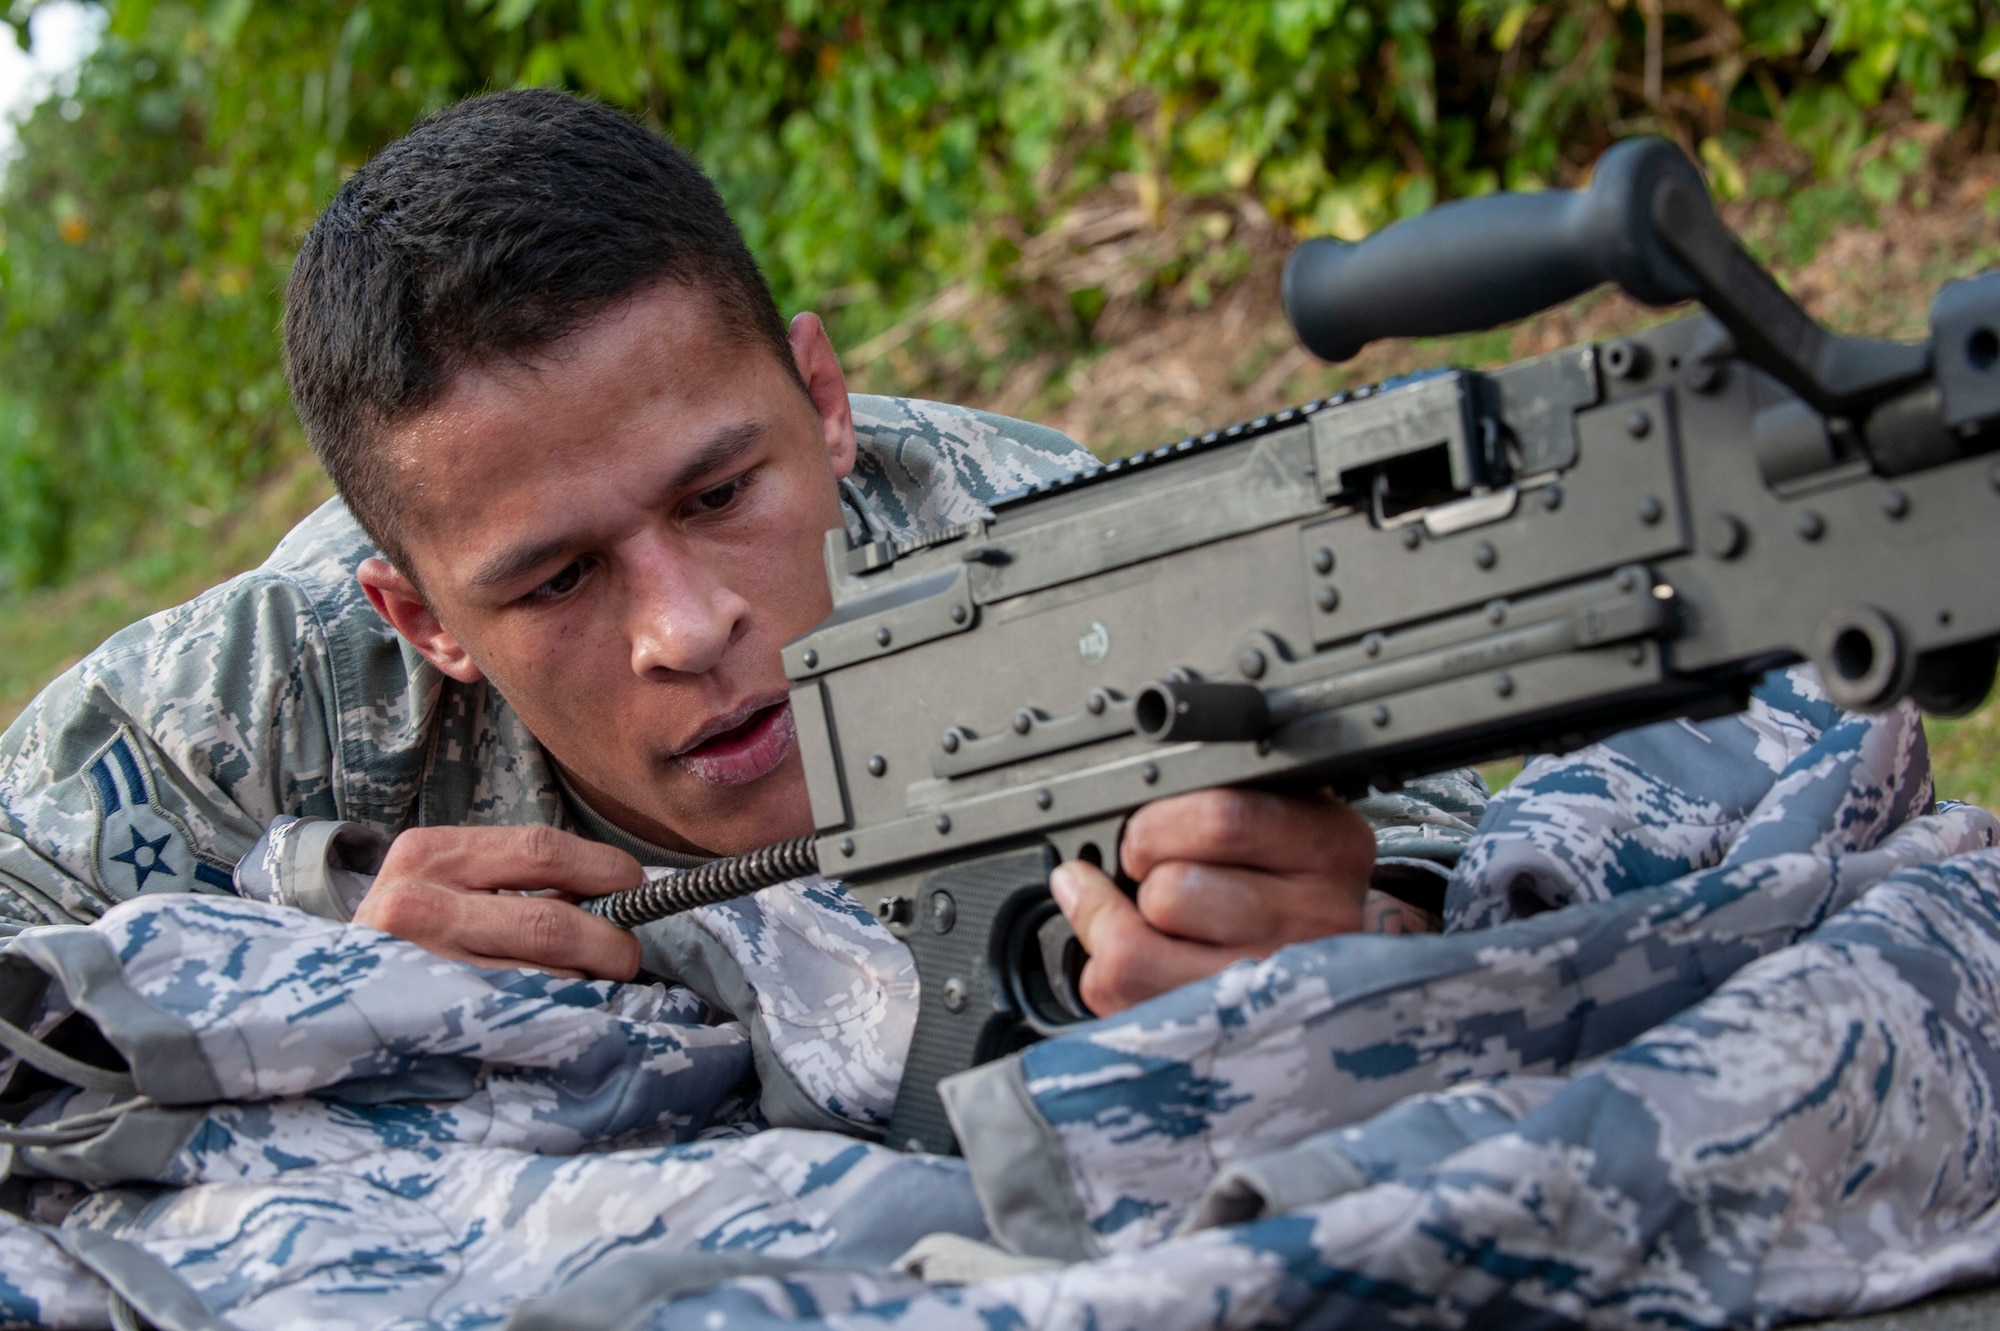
x: 1715, y: 1044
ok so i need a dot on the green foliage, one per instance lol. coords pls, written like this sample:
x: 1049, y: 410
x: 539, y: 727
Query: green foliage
x: 875, y: 152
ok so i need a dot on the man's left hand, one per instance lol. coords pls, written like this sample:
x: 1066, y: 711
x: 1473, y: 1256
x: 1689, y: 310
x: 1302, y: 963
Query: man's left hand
x: 1223, y: 875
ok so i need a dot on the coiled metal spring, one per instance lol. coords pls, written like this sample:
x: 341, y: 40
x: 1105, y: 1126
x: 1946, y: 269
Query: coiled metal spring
x: 705, y: 884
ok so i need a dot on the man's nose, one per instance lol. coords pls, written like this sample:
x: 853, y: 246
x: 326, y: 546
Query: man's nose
x: 683, y: 617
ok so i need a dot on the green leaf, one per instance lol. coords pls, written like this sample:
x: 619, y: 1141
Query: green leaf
x: 511, y: 14
x: 1879, y: 180
x: 1508, y: 30
x: 1987, y: 61
x: 225, y: 19
x: 128, y: 19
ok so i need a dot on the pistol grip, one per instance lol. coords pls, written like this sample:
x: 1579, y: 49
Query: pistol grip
x: 967, y: 916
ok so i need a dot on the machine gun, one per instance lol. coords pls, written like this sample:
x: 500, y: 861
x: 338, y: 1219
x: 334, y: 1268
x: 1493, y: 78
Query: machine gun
x: 1390, y: 582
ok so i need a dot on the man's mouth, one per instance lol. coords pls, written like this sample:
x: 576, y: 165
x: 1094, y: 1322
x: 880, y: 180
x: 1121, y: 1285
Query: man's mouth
x: 738, y: 749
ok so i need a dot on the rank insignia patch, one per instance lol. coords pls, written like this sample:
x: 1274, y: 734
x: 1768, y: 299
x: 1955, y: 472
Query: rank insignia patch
x: 140, y: 846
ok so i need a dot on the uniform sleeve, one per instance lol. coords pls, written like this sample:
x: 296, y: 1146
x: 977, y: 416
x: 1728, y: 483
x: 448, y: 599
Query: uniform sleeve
x: 156, y: 762
x: 315, y: 865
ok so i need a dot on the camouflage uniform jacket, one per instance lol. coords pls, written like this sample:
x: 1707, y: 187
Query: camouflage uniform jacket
x: 279, y: 714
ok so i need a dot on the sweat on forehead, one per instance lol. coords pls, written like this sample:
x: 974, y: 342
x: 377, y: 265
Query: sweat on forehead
x: 492, y: 230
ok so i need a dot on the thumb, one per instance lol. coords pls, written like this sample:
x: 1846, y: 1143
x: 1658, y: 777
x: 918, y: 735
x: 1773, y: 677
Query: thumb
x: 1093, y: 904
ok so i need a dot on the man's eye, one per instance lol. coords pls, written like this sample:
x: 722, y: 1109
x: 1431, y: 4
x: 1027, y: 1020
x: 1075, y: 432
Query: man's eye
x: 562, y: 584
x: 720, y: 496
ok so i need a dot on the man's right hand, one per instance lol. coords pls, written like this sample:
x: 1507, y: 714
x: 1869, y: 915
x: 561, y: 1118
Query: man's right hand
x: 456, y: 891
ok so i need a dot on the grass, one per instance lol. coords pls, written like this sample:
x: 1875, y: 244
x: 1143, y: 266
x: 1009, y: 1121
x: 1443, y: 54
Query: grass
x: 1965, y: 756
x: 46, y: 632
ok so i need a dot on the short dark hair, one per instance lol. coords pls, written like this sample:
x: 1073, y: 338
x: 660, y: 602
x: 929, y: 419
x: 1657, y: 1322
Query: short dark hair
x: 493, y: 228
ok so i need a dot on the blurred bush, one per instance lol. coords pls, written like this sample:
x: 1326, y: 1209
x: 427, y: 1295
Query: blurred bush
x: 877, y: 152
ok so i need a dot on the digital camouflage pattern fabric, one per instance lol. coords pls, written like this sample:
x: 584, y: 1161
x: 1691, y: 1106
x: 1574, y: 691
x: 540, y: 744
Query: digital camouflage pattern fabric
x: 331, y: 1127
x: 1745, y: 1078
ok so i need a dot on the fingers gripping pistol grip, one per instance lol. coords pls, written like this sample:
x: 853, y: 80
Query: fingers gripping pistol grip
x: 974, y: 934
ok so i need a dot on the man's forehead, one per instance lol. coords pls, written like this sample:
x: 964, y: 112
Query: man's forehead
x: 640, y: 380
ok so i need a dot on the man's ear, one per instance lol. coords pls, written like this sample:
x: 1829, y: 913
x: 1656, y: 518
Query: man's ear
x: 397, y: 600
x: 812, y: 352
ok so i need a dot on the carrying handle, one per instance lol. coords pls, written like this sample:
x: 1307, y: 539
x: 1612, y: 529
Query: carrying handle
x: 1478, y: 263
x: 1646, y: 223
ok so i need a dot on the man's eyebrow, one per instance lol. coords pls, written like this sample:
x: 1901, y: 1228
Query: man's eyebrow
x: 504, y: 566
x: 717, y: 451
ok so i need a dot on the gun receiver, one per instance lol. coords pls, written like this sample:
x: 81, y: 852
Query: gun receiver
x: 1437, y: 571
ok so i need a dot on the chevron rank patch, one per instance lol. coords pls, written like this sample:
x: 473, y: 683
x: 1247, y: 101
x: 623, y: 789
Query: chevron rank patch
x: 140, y: 846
